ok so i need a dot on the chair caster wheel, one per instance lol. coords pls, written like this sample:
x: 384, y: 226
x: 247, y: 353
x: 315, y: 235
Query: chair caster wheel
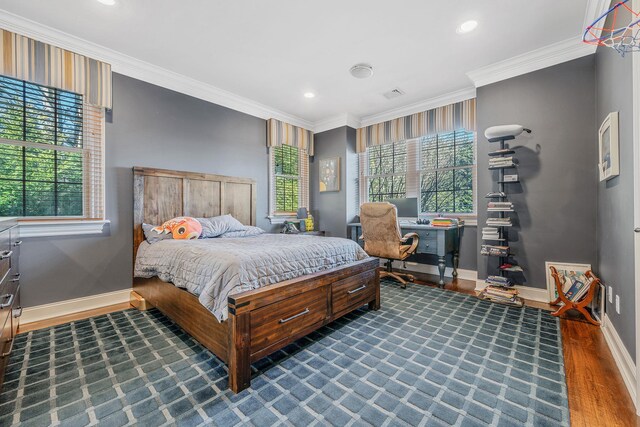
x: 412, y: 279
x: 403, y: 286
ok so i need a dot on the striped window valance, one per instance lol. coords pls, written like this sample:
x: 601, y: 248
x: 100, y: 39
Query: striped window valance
x: 281, y: 133
x: 36, y: 62
x: 461, y: 115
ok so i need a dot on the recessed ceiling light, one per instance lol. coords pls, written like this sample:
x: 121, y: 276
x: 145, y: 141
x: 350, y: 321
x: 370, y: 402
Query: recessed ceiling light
x: 361, y: 71
x: 108, y: 2
x: 309, y: 95
x: 467, y: 27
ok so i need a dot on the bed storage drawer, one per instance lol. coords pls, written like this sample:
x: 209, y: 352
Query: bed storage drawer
x: 352, y: 292
x: 287, y: 318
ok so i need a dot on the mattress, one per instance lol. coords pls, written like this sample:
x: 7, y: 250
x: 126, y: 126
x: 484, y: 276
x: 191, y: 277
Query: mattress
x: 213, y: 269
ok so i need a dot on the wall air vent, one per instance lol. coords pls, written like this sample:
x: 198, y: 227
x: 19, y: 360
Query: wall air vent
x: 393, y: 93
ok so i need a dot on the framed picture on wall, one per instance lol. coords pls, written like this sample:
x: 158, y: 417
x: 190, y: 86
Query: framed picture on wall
x: 608, y: 148
x: 568, y: 273
x: 329, y: 174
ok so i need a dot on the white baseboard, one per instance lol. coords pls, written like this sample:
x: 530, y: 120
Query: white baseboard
x: 72, y: 306
x: 433, y: 269
x: 526, y: 292
x: 621, y: 356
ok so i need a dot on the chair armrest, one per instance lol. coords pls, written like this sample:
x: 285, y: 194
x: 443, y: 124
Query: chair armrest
x: 414, y: 243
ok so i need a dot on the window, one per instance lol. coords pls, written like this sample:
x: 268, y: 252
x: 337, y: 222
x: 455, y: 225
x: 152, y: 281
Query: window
x: 439, y: 169
x: 50, y: 152
x: 387, y: 172
x: 447, y: 169
x: 289, y: 180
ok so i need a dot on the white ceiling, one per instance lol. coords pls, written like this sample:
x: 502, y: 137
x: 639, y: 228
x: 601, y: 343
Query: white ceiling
x: 274, y: 51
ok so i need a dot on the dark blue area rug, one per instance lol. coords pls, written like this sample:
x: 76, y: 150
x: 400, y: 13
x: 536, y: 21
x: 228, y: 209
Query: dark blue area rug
x: 428, y: 357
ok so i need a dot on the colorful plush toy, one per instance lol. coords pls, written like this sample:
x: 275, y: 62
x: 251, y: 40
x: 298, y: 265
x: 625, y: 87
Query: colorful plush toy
x: 182, y: 227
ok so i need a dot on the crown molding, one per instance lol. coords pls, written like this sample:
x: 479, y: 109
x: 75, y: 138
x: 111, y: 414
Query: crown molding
x: 145, y: 71
x: 595, y: 8
x: 438, y: 101
x: 340, y: 120
x: 547, y: 56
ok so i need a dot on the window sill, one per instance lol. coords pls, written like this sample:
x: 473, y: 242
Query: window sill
x: 273, y: 219
x: 61, y: 228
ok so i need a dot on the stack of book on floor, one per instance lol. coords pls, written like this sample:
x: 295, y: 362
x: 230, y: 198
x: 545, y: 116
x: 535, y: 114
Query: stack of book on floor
x: 499, y: 281
x: 446, y: 222
x: 498, y: 162
x: 492, y: 250
x: 499, y: 206
x: 499, y: 222
x: 490, y: 233
x: 501, y: 294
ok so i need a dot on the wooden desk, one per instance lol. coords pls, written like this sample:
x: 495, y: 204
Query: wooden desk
x: 439, y: 241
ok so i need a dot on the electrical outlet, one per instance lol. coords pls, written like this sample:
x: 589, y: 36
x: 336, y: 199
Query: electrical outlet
x: 610, y: 295
x: 618, y: 304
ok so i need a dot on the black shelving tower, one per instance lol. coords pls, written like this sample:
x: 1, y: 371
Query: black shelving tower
x: 503, y: 233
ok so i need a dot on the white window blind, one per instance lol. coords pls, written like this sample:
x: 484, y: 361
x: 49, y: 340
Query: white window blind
x: 439, y: 170
x: 51, y: 153
x: 289, y: 180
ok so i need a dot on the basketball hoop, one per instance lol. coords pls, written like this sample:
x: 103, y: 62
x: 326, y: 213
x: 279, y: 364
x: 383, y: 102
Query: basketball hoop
x: 623, y: 37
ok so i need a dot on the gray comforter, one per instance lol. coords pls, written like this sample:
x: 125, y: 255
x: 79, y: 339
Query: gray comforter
x: 213, y: 269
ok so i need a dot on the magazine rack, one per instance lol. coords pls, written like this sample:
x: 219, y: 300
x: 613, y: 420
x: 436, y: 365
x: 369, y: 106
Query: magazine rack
x: 579, y: 305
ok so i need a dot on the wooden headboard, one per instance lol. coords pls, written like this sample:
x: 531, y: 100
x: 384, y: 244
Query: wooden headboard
x: 160, y: 194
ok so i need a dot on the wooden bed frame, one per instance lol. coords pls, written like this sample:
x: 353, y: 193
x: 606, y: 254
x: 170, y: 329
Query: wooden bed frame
x: 260, y: 321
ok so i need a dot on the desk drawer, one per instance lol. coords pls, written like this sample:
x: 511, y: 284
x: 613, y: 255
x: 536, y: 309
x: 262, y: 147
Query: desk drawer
x: 284, y: 319
x: 352, y: 292
x: 428, y: 244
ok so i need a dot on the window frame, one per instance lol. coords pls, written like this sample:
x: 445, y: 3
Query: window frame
x: 414, y: 173
x: 474, y: 176
x: 279, y: 217
x: 93, y: 177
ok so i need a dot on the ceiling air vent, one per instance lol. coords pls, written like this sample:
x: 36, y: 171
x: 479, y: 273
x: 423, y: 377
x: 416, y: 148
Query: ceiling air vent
x: 393, y: 93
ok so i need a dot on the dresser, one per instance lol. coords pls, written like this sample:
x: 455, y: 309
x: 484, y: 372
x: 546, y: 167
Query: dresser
x: 10, y: 309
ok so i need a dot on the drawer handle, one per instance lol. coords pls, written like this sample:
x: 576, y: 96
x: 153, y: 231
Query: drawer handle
x: 6, y: 254
x: 17, y: 312
x: 6, y: 353
x: 8, y: 303
x: 17, y: 278
x: 306, y: 310
x: 17, y: 243
x: 353, y: 291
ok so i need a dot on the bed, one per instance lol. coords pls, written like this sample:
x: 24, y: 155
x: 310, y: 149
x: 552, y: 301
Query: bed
x: 252, y: 323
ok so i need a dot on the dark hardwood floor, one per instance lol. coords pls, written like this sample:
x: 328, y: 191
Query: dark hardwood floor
x: 597, y: 394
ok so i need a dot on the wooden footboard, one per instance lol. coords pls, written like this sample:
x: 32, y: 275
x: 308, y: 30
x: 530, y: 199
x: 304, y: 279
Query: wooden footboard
x: 264, y: 320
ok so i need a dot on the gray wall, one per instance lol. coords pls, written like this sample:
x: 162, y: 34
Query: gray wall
x: 333, y: 210
x: 556, y: 210
x: 154, y: 127
x: 615, y: 196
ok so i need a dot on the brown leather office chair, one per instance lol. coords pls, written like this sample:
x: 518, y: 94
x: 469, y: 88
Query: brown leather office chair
x: 382, y: 238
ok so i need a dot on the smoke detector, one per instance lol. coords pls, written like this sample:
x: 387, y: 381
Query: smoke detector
x: 393, y: 93
x: 361, y: 71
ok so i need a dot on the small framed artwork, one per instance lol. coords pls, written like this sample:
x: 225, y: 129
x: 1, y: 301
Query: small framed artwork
x: 568, y: 273
x: 608, y: 148
x: 329, y: 174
